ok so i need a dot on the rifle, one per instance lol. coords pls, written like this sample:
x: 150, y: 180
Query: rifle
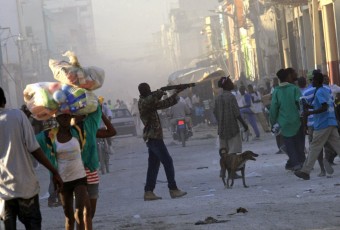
x: 180, y: 86
x: 172, y: 87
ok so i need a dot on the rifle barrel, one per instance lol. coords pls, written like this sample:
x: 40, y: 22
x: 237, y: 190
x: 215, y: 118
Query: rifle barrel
x: 180, y: 86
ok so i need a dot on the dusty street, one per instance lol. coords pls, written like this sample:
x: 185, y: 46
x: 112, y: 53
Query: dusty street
x: 275, y: 199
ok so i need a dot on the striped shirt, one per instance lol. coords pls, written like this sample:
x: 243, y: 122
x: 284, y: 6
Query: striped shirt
x: 92, y: 177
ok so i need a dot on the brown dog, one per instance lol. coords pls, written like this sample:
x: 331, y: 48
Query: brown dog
x: 233, y: 163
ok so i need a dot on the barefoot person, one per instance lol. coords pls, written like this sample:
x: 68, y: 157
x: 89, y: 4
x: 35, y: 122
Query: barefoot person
x: 63, y: 146
x: 90, y: 151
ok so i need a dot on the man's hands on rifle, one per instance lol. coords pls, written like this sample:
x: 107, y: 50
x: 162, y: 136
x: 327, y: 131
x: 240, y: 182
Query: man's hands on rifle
x: 161, y: 92
x: 158, y: 93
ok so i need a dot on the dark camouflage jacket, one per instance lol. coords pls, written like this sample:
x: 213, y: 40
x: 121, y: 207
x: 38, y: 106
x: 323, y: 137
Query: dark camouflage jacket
x: 148, y: 107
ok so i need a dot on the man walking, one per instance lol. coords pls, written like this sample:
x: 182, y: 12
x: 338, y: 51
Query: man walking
x: 19, y: 186
x: 325, y: 127
x: 227, y: 114
x: 247, y: 111
x: 148, y: 104
x: 308, y: 94
x: 284, y: 110
x: 258, y: 107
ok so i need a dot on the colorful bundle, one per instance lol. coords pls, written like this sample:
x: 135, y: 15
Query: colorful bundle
x: 44, y: 99
x: 71, y: 73
x: 39, y: 100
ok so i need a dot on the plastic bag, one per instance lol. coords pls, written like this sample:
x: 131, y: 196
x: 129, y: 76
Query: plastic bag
x: 44, y: 99
x: 39, y: 100
x: 96, y: 74
x: 90, y: 78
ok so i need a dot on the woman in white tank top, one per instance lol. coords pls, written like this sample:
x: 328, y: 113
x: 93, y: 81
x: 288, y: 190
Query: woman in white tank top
x: 72, y: 171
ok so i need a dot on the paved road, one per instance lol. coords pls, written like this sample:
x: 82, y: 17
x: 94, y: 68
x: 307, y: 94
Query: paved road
x: 275, y: 199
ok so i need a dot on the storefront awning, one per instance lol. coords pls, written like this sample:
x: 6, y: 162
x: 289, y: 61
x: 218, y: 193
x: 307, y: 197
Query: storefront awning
x: 190, y: 75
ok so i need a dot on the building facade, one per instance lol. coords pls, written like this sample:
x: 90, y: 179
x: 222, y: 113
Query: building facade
x: 256, y: 38
x: 32, y: 32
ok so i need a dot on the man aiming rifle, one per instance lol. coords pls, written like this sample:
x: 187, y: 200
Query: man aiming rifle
x: 178, y: 87
x: 148, y: 104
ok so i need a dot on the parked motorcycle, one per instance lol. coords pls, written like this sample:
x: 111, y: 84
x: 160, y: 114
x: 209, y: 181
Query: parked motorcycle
x: 181, y: 133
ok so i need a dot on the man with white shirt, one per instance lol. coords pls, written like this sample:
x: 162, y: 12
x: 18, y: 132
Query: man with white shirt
x: 238, y: 96
x: 258, y: 108
x: 19, y: 186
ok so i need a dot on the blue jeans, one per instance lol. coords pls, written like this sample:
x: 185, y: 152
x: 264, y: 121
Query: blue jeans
x: 158, y: 153
x: 295, y: 146
x: 27, y: 210
x: 251, y: 118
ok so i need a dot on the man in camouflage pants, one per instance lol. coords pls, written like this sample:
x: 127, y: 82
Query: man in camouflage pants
x: 148, y: 104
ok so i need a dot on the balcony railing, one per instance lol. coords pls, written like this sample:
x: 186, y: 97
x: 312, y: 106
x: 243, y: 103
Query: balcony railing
x: 287, y: 2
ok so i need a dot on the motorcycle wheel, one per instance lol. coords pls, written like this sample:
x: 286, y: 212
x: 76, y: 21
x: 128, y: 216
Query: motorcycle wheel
x: 182, y: 137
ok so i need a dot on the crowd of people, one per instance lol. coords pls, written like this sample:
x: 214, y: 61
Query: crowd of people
x: 67, y: 145
x: 257, y: 112
x: 198, y: 111
x: 242, y: 103
x: 306, y: 106
x: 318, y: 118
